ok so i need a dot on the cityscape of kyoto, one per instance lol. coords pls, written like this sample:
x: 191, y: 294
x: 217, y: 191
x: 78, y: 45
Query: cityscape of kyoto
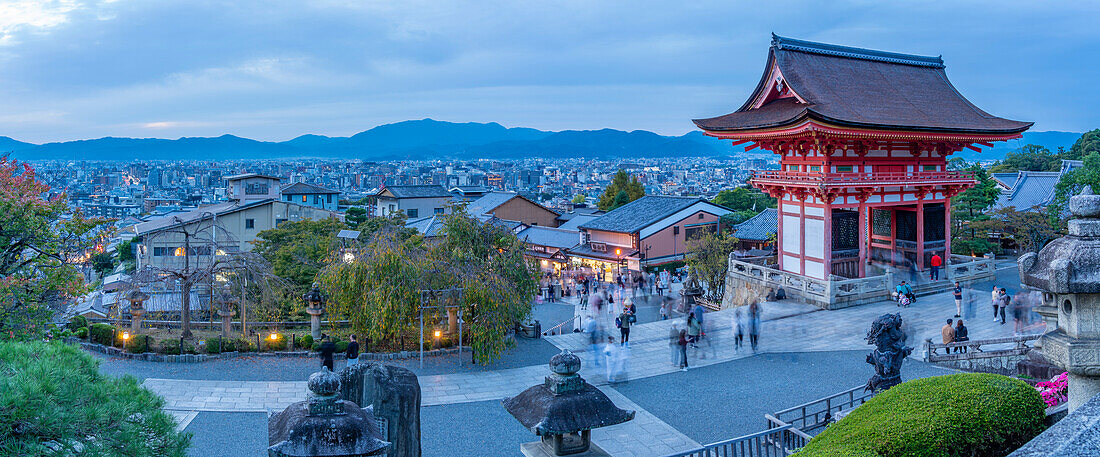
x: 537, y: 229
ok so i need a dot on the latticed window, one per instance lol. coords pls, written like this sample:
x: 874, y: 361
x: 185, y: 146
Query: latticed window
x: 880, y: 222
x: 845, y: 230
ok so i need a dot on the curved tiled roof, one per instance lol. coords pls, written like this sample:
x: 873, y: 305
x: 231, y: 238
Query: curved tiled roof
x: 305, y: 188
x: 640, y: 213
x: 759, y: 227
x: 860, y: 88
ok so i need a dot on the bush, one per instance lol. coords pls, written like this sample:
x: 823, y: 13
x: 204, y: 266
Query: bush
x: 82, y: 332
x: 242, y: 344
x: 966, y: 414
x: 341, y: 346
x: 102, y: 333
x: 316, y: 347
x: 306, y: 341
x: 171, y: 346
x: 52, y: 392
x: 139, y: 344
x: 217, y: 345
x: 77, y: 322
x: 277, y: 344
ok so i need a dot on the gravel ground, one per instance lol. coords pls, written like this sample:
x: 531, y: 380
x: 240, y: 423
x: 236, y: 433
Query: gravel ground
x: 727, y: 400
x: 527, y: 352
x: 228, y: 434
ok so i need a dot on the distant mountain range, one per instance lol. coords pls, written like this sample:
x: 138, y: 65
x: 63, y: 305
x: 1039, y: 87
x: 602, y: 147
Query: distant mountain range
x: 431, y: 139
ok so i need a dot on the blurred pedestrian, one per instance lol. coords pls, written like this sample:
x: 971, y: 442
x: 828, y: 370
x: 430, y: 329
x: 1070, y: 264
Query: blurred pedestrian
x: 595, y: 340
x: 611, y: 352
x: 738, y: 329
x: 1018, y: 313
x: 683, y: 342
x: 674, y: 345
x: 754, y: 324
x: 327, y: 348
x: 693, y: 329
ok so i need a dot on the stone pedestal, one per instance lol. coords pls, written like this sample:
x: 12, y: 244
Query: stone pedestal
x: 315, y: 323
x: 452, y: 321
x: 135, y: 320
x: 536, y: 449
x: 394, y: 394
x: 227, y: 321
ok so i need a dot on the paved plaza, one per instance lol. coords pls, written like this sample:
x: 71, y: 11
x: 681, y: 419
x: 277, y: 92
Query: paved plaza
x: 805, y: 353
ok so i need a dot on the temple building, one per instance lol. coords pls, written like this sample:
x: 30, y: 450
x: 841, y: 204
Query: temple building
x: 863, y: 138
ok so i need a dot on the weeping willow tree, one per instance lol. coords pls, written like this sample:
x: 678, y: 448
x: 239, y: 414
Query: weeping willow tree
x: 378, y: 290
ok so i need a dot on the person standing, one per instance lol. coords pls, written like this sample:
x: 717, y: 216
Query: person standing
x: 935, y: 262
x: 996, y: 294
x: 693, y: 329
x: 683, y: 342
x: 352, y: 353
x: 327, y: 348
x: 1005, y: 301
x: 663, y: 310
x: 623, y: 321
x: 674, y: 346
x: 961, y: 335
x: 611, y: 351
x: 738, y: 330
x: 958, y: 292
x: 948, y: 333
x: 754, y: 325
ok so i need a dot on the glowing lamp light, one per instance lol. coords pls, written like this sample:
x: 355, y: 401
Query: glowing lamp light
x: 274, y: 336
x: 438, y: 333
x: 125, y: 335
x: 545, y: 263
x: 618, y: 252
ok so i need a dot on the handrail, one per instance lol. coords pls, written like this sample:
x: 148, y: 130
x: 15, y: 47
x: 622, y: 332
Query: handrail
x: 558, y: 328
x: 780, y: 442
x: 819, y: 413
x: 815, y: 177
x: 974, y: 348
x: 774, y: 422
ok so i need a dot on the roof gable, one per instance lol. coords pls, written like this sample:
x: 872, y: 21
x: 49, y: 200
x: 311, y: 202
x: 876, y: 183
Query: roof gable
x: 305, y: 188
x: 415, y: 191
x: 641, y: 213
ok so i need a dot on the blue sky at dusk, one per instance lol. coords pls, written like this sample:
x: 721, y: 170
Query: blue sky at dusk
x: 273, y: 70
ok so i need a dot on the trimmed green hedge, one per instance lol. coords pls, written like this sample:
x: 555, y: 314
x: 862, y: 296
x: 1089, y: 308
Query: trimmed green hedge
x: 966, y: 414
x: 102, y: 333
x: 82, y: 332
x: 139, y: 344
x: 52, y: 393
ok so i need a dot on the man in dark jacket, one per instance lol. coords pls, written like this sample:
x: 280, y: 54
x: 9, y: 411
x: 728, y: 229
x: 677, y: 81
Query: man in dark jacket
x: 327, y: 348
x: 353, y: 352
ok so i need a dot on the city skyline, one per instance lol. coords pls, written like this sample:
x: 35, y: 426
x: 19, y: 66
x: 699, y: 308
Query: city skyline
x: 78, y: 70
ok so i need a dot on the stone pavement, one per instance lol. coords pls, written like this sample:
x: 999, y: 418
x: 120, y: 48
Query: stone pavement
x: 787, y: 327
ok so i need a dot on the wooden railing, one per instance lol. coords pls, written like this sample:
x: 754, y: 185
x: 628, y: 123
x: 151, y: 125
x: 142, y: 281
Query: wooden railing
x: 775, y: 442
x: 974, y: 348
x: 854, y: 179
x: 813, y: 415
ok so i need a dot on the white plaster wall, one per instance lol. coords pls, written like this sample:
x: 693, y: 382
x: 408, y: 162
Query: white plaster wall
x: 791, y: 264
x: 792, y: 234
x: 815, y: 269
x: 874, y: 199
x: 893, y: 198
x: 813, y: 211
x: 815, y: 238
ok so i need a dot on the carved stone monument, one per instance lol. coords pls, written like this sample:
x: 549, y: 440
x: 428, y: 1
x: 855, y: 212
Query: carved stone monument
x: 137, y: 309
x: 1068, y: 272
x: 890, y: 351
x: 315, y: 307
x: 324, y: 425
x: 394, y: 396
x: 563, y: 410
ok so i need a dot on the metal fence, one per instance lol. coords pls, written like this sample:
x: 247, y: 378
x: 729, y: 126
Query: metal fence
x: 811, y: 416
x: 776, y: 442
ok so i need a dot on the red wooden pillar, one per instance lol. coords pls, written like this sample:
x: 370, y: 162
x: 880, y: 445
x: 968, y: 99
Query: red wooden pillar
x: 893, y: 237
x: 827, y: 251
x: 920, y: 233
x: 946, y: 230
x: 863, y: 241
x: 779, y: 233
x: 802, y: 233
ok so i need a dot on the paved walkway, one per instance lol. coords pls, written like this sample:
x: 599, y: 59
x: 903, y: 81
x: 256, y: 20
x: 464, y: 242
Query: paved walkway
x: 787, y: 327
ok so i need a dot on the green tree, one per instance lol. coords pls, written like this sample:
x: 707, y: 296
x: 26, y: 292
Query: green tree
x: 1088, y: 143
x: 103, y: 263
x: 1031, y: 230
x: 125, y: 251
x: 379, y: 291
x: 579, y: 198
x: 354, y: 216
x: 39, y: 250
x: 621, y: 182
x: 744, y: 198
x: 55, y: 401
x: 971, y: 226
x: 1031, y: 157
x: 1072, y: 183
x: 298, y: 249
x: 708, y: 256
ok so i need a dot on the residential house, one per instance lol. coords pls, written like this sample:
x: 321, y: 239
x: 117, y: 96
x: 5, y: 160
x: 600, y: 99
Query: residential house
x: 650, y: 230
x: 415, y: 201
x: 758, y: 232
x: 512, y: 207
x: 1031, y: 190
x: 311, y: 195
x: 548, y: 245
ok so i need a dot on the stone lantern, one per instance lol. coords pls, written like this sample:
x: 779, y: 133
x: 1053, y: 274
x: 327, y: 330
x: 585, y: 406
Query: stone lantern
x: 563, y: 410
x: 315, y: 306
x: 325, y: 425
x: 1068, y: 272
x: 137, y: 309
x: 227, y: 308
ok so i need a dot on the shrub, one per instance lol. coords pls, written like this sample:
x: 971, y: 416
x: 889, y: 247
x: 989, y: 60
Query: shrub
x: 242, y: 344
x: 306, y: 341
x: 277, y: 344
x: 54, y: 393
x: 171, y: 346
x: 217, y: 345
x: 966, y: 414
x: 341, y: 346
x: 82, y: 332
x: 139, y: 344
x: 77, y: 322
x: 316, y: 347
x: 102, y: 333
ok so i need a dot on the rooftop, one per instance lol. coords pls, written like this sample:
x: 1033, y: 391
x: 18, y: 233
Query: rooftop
x: 640, y: 213
x: 548, y: 236
x: 416, y: 191
x: 299, y: 188
x: 858, y: 88
x: 759, y: 227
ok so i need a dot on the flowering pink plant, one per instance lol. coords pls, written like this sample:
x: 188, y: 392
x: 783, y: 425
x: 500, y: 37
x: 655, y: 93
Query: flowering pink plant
x: 1055, y: 391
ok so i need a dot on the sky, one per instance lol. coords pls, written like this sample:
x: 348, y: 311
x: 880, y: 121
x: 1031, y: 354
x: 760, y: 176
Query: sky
x: 273, y: 70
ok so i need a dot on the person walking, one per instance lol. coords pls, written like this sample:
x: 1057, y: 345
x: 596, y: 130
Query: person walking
x: 663, y: 310
x: 693, y: 329
x: 327, y: 348
x: 961, y: 335
x: 948, y: 333
x: 958, y: 292
x: 754, y: 324
x: 623, y: 321
x: 595, y: 340
x: 935, y: 263
x: 674, y: 345
x: 352, y: 353
x: 611, y: 351
x: 738, y: 330
x: 1018, y: 313
x: 683, y: 342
